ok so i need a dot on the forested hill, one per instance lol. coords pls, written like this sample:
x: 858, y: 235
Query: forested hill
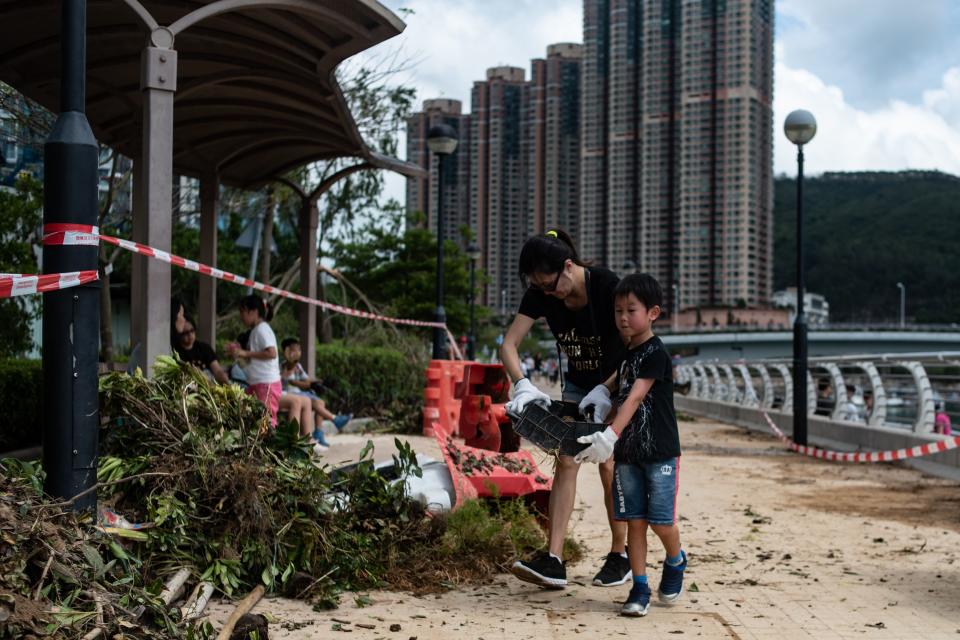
x: 867, y: 231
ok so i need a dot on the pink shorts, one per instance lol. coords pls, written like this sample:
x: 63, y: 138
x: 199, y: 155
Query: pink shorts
x: 269, y: 394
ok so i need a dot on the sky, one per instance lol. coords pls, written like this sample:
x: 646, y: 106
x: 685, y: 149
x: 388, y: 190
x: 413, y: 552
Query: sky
x: 882, y: 77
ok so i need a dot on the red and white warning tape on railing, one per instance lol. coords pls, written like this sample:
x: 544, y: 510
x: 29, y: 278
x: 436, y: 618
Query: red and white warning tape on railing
x: 865, y: 456
x: 83, y: 235
x: 19, y: 284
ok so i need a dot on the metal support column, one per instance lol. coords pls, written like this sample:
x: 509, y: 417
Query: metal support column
x: 152, y: 216
x: 309, y: 220
x: 207, y: 304
x: 71, y: 318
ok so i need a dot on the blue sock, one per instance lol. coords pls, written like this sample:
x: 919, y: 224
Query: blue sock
x: 640, y: 579
x: 676, y: 560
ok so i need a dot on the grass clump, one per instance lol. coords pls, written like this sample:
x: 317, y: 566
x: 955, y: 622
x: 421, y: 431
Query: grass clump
x: 476, y: 542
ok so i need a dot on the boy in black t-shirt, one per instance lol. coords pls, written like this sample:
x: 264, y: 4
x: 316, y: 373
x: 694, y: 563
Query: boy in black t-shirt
x: 644, y: 442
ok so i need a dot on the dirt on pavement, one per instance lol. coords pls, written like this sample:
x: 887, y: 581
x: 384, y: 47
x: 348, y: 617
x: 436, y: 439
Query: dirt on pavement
x: 780, y: 547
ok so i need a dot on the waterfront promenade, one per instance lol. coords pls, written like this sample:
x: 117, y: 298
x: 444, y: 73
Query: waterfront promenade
x: 780, y: 547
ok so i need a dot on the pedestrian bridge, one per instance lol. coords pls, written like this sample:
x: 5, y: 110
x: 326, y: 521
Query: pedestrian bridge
x: 754, y: 344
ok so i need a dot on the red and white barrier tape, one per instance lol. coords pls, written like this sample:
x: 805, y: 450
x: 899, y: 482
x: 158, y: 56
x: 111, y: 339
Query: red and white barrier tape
x: 865, y: 456
x: 84, y: 235
x: 18, y: 284
x: 75, y: 234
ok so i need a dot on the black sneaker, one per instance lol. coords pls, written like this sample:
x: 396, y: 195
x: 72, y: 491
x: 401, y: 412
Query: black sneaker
x: 543, y: 570
x: 615, y: 571
x: 671, y: 584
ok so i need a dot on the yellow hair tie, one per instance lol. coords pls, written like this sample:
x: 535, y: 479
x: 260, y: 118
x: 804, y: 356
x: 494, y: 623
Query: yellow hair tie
x: 552, y: 234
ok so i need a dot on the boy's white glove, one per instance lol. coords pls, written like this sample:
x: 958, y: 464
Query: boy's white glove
x: 524, y: 392
x: 601, y: 446
x: 599, y: 399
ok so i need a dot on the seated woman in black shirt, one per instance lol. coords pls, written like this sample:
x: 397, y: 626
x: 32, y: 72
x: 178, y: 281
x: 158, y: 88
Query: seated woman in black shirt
x: 199, y: 354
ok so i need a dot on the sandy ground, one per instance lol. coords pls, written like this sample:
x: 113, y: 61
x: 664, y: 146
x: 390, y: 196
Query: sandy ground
x: 780, y: 547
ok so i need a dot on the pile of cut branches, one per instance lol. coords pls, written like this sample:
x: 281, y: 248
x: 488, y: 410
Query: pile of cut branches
x: 239, y: 505
x: 61, y: 578
x: 235, y: 504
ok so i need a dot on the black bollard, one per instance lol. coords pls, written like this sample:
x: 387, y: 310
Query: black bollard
x: 71, y: 317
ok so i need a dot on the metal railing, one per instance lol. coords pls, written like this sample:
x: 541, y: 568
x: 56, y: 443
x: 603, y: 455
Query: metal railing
x: 667, y: 329
x: 911, y: 391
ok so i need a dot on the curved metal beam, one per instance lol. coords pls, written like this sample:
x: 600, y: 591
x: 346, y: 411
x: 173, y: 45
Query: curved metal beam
x: 750, y: 398
x: 787, y: 378
x: 264, y: 136
x: 148, y: 20
x: 839, y: 390
x: 811, y: 394
x: 258, y: 144
x: 325, y: 186
x: 926, y: 415
x: 703, y: 382
x: 733, y: 393
x: 298, y: 6
x: 878, y: 415
x: 292, y: 185
x: 201, y: 82
x: 766, y: 402
x: 717, y: 390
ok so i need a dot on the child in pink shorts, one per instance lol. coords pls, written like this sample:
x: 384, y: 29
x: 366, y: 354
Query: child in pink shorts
x: 263, y: 370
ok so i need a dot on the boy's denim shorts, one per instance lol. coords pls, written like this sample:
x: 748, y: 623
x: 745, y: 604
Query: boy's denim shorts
x: 646, y: 492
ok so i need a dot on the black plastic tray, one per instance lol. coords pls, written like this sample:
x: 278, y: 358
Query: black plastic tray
x: 548, y: 430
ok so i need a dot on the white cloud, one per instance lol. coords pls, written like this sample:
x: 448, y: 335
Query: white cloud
x: 898, y: 135
x: 877, y: 50
x: 455, y: 41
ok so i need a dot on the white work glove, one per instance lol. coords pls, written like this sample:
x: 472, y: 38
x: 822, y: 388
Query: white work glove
x: 599, y: 399
x: 601, y: 446
x: 523, y: 394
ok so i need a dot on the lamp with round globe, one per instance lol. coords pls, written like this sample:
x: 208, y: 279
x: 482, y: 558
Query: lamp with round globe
x: 800, y: 127
x: 442, y: 141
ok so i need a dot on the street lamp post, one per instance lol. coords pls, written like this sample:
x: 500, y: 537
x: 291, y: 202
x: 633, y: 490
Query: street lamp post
x: 903, y: 304
x: 71, y: 317
x: 473, y: 252
x: 800, y: 127
x: 442, y: 141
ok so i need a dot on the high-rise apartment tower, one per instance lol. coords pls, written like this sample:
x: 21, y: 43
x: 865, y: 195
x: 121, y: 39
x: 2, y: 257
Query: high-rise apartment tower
x: 552, y: 131
x: 423, y: 192
x: 498, y: 180
x: 677, y: 145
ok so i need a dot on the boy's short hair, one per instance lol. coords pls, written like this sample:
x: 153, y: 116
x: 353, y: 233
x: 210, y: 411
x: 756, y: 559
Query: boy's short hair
x: 643, y: 286
x: 288, y: 342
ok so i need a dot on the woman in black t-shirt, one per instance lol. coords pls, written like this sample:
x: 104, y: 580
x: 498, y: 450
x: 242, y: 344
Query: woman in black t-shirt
x: 199, y: 354
x: 577, y: 302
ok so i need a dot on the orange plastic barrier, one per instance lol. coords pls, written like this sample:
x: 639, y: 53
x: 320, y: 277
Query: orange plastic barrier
x: 466, y: 400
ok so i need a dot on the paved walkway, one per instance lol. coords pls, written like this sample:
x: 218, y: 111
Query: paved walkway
x: 780, y: 547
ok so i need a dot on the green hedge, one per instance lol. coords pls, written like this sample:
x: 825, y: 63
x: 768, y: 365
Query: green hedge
x: 365, y: 381
x: 373, y: 381
x: 21, y: 391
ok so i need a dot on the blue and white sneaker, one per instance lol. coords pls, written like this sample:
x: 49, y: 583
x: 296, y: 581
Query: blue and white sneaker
x: 638, y: 602
x: 341, y: 420
x: 320, y: 438
x: 671, y: 583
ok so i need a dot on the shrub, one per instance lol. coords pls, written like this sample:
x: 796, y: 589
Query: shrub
x: 21, y: 390
x: 373, y: 381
